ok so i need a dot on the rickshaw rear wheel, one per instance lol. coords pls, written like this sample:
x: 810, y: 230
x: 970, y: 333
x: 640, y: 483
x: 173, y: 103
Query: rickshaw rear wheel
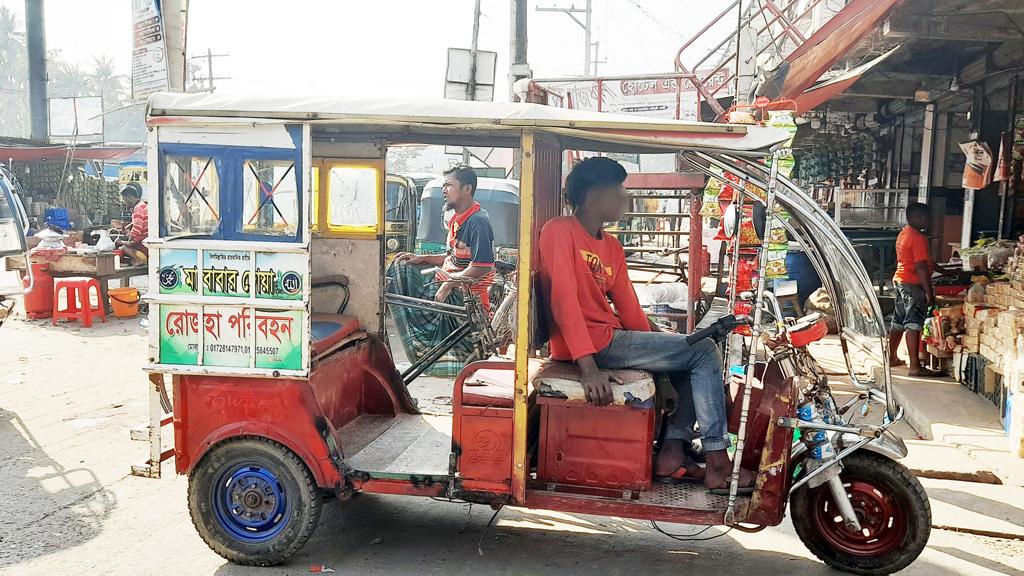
x: 891, y: 505
x: 253, y: 501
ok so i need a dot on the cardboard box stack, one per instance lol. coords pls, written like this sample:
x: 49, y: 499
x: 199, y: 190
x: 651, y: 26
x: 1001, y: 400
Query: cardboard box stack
x: 995, y: 330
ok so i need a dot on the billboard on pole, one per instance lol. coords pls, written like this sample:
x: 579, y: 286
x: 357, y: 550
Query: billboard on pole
x: 460, y: 64
x: 149, y: 53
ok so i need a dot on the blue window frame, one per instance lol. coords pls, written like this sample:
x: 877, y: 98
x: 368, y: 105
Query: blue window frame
x: 231, y: 192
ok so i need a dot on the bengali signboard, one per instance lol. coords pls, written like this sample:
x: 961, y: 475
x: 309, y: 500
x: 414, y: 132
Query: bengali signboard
x: 233, y: 336
x: 229, y: 334
x: 229, y: 272
x: 149, y: 52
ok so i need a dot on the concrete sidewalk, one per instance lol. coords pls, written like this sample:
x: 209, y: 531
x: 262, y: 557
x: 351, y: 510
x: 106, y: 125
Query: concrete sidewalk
x: 945, y: 412
x: 959, y: 436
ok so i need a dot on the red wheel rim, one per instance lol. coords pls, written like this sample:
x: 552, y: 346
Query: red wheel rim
x: 882, y: 520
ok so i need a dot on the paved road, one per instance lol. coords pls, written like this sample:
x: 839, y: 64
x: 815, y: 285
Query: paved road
x: 69, y: 396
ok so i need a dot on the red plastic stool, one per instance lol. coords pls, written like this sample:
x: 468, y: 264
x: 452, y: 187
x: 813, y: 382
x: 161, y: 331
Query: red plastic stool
x: 78, y: 306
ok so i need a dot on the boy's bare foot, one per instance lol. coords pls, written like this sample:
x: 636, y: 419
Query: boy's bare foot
x: 718, y: 473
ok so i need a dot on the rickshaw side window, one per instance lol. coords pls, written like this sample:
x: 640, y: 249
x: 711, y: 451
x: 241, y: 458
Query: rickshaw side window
x: 353, y: 199
x: 270, y: 204
x: 395, y: 205
x: 191, y: 195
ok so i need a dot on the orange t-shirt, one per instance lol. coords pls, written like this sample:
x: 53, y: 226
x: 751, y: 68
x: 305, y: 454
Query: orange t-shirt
x: 911, y: 248
x: 582, y: 277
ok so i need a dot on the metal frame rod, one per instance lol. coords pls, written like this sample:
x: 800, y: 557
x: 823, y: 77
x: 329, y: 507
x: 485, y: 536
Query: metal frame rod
x: 730, y: 513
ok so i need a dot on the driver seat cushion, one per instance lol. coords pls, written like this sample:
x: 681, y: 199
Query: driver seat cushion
x: 329, y: 329
x: 488, y: 388
x: 557, y: 379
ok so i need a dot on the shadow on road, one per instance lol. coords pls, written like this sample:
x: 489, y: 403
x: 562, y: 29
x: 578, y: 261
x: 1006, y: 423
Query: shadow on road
x: 46, y: 507
x: 376, y: 535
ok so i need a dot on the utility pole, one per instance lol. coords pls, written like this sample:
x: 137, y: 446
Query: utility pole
x: 571, y: 12
x: 471, y: 90
x: 209, y: 56
x: 518, y: 68
x: 35, y: 34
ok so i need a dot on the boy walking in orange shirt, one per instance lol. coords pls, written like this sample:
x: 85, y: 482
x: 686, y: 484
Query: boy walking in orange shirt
x: 914, y: 293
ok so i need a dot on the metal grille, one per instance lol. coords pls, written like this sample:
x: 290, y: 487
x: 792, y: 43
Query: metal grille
x: 689, y: 496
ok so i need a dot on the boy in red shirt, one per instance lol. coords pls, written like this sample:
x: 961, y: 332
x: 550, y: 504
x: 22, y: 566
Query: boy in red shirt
x: 583, y: 273
x: 913, y: 284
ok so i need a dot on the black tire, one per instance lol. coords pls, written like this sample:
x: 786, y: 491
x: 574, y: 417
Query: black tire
x: 279, y: 482
x: 896, y: 493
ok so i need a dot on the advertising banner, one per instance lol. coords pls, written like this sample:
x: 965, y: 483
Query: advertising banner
x: 229, y: 333
x: 149, y: 54
x: 232, y: 336
x: 669, y: 98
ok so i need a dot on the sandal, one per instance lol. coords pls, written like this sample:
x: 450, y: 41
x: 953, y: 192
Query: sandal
x: 678, y: 477
x: 924, y: 373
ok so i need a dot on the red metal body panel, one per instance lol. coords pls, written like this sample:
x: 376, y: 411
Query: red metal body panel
x: 595, y: 446
x: 767, y: 506
x: 482, y: 438
x: 306, y: 416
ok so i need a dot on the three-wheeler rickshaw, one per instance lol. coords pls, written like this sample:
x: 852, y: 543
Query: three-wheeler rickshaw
x: 285, y: 391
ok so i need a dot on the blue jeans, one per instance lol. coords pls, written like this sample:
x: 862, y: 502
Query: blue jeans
x: 666, y: 352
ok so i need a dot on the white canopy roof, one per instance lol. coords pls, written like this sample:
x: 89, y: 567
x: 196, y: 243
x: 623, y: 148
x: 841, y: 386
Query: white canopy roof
x: 496, y: 115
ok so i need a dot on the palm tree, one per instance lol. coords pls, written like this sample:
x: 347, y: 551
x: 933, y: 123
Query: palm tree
x: 13, y: 76
x: 108, y: 83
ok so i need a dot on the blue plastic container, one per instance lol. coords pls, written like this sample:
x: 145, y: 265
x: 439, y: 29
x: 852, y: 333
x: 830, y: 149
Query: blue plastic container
x: 58, y: 217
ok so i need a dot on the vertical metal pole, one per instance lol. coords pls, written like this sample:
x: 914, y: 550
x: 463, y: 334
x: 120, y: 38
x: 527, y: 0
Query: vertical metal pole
x: 968, y: 220
x: 755, y: 337
x: 35, y: 34
x: 209, y: 69
x: 695, y: 259
x: 924, y: 177
x: 586, y: 41
x: 736, y: 84
x: 471, y: 90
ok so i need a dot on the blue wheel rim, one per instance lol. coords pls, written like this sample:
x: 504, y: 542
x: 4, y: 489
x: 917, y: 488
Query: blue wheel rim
x: 250, y: 503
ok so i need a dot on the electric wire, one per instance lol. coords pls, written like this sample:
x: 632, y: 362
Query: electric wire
x: 690, y: 537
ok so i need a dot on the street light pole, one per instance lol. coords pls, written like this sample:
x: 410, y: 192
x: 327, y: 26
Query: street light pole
x: 571, y: 12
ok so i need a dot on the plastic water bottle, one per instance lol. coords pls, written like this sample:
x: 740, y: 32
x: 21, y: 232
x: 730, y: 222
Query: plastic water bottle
x: 823, y: 449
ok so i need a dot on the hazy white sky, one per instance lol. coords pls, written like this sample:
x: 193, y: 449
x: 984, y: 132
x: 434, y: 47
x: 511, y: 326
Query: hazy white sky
x: 376, y: 47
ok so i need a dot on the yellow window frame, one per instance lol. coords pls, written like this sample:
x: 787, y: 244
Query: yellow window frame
x: 322, y: 199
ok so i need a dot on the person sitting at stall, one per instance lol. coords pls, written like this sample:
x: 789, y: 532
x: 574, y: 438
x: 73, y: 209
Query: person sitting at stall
x: 914, y: 292
x: 583, y: 274
x: 137, y: 231
x: 470, y: 243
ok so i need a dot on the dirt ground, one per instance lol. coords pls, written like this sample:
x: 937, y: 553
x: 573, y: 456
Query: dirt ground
x: 68, y: 397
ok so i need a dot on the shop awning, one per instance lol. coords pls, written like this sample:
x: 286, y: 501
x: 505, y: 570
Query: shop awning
x: 38, y: 153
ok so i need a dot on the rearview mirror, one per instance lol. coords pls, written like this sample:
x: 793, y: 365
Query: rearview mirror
x: 731, y: 220
x: 13, y: 221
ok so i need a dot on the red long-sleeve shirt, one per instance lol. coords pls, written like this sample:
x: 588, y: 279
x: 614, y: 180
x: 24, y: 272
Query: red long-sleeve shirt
x: 579, y: 275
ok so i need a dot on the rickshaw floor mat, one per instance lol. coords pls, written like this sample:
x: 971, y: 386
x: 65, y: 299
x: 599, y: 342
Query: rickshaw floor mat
x: 412, y: 444
x: 685, y: 496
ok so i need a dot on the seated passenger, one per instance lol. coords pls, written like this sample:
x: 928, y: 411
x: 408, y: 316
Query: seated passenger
x: 470, y: 244
x: 581, y: 269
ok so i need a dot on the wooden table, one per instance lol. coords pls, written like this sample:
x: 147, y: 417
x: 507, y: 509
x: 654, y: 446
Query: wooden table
x: 98, y: 266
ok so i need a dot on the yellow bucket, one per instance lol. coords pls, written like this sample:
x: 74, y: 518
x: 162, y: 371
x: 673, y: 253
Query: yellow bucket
x: 124, y: 302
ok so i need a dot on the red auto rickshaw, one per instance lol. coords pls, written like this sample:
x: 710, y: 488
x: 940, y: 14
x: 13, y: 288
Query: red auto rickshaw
x: 268, y: 313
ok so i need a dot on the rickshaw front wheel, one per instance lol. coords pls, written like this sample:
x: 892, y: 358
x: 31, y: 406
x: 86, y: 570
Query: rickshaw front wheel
x: 253, y: 501
x: 891, y: 506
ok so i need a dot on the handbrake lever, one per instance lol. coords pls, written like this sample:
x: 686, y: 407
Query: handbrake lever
x: 722, y: 327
